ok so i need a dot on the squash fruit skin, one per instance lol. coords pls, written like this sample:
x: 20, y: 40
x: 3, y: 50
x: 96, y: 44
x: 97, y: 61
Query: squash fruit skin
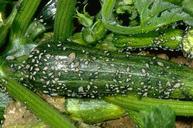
x: 68, y: 69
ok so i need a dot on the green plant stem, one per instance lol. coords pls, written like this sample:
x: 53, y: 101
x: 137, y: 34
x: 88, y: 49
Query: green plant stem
x: 64, y: 19
x: 170, y: 39
x: 182, y: 108
x: 38, y: 106
x: 23, y: 17
x: 107, y: 9
x: 19, y: 42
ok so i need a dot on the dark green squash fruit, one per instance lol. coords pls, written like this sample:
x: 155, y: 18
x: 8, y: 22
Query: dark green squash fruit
x: 68, y: 69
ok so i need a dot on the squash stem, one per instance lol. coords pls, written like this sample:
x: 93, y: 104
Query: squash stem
x: 23, y: 17
x: 131, y: 102
x: 18, y: 39
x: 64, y: 19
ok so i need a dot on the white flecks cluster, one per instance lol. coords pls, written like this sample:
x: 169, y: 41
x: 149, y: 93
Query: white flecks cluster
x: 79, y: 73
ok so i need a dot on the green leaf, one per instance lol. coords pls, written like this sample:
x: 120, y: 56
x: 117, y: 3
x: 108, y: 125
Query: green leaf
x: 77, y: 38
x: 153, y: 15
x: 84, y: 18
x: 158, y: 13
x: 94, y: 33
x: 158, y: 117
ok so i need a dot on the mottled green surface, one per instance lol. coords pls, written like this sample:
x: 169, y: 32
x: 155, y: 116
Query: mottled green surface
x: 68, y: 69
